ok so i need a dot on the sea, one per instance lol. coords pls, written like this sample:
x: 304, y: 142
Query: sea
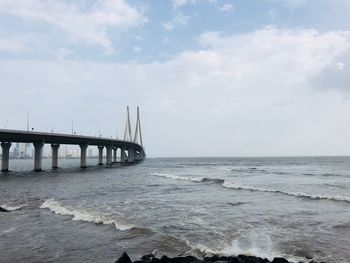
x: 294, y: 207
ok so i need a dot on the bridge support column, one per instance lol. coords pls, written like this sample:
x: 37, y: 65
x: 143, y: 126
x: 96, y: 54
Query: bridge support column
x: 131, y: 155
x: 137, y: 155
x: 54, y: 148
x: 115, y: 154
x: 122, y: 155
x: 109, y: 155
x: 38, y: 156
x: 100, y: 154
x: 83, y: 148
x: 5, y: 156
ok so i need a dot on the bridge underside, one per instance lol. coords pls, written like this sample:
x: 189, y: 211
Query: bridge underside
x: 130, y: 152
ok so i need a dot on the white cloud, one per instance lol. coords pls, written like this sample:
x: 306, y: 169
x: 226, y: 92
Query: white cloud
x: 11, y: 45
x: 226, y: 8
x: 64, y: 53
x: 137, y: 49
x: 82, y: 24
x: 178, y: 20
x: 340, y: 66
x: 247, y: 94
x: 179, y: 3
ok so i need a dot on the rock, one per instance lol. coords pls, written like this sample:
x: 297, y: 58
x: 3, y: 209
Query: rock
x: 217, y: 259
x: 124, y: 259
x: 250, y: 259
x: 188, y: 259
x: 3, y: 210
x: 164, y: 259
x: 280, y: 260
x: 148, y: 257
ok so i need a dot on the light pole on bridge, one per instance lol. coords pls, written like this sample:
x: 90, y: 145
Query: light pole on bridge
x: 27, y: 121
x: 72, y: 126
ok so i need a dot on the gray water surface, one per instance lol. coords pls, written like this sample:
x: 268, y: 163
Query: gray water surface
x: 298, y: 208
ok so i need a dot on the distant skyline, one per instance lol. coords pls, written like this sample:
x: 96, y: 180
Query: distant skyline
x: 211, y: 77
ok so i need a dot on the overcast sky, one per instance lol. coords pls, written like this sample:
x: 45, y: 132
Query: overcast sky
x: 211, y: 77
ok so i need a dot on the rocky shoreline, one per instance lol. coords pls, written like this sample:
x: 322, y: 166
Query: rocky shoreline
x: 124, y: 258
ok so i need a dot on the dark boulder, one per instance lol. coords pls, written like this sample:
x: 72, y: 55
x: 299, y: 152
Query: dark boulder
x: 188, y: 259
x: 3, y: 210
x: 280, y: 260
x: 148, y: 257
x: 218, y: 259
x: 250, y: 259
x: 124, y: 259
x: 164, y: 259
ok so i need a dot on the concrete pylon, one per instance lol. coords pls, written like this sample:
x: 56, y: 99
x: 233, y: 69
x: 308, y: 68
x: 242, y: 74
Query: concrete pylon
x: 100, y: 154
x: 127, y: 131
x: 109, y: 155
x: 83, y: 148
x: 55, y: 148
x: 5, y: 156
x: 115, y: 154
x: 131, y: 155
x: 138, y: 134
x: 38, y: 156
x: 122, y: 155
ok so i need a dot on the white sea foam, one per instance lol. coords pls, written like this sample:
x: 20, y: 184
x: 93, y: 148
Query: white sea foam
x: 178, y: 177
x: 296, y: 194
x: 84, y: 215
x: 235, y: 249
x: 12, y: 208
x: 238, y: 186
x: 222, y: 168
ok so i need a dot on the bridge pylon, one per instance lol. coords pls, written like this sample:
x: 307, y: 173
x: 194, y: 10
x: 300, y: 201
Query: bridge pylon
x: 127, y: 131
x: 138, y: 134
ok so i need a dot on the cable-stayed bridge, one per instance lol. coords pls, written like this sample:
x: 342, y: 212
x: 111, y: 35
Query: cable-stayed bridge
x: 131, y: 147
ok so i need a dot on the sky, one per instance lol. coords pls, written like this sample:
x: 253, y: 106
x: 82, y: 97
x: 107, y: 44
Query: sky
x: 211, y: 77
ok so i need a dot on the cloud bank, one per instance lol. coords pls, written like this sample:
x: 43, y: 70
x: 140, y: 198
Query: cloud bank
x: 82, y: 22
x: 256, y: 93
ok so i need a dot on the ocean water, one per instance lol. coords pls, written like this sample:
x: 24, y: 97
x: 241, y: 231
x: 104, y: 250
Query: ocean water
x: 298, y: 208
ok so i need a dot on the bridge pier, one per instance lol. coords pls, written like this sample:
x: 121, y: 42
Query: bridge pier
x: 122, y: 155
x: 109, y: 155
x: 5, y: 156
x: 131, y: 155
x: 83, y: 148
x: 137, y: 155
x: 54, y: 148
x: 100, y: 154
x: 38, y: 156
x: 115, y: 154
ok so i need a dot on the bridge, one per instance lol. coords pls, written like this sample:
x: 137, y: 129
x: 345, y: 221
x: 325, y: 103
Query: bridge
x: 131, y: 148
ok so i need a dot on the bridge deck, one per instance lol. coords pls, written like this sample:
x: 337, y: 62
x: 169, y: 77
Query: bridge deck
x: 30, y: 137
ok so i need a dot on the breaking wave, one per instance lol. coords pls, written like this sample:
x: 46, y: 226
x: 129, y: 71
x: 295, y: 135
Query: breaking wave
x: 84, y: 215
x: 264, y: 251
x: 12, y: 208
x: 237, y: 186
x: 296, y: 194
x: 192, y: 178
